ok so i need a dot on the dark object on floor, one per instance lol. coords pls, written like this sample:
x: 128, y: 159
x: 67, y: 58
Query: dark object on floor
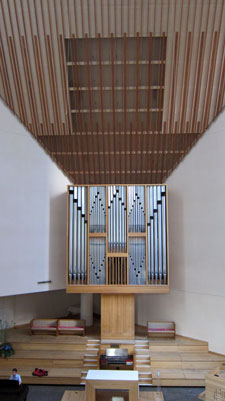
x: 40, y: 372
x: 11, y: 390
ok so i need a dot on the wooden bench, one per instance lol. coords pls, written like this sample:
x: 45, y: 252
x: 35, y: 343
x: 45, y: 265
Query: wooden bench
x: 43, y: 326
x: 161, y: 329
x: 57, y: 326
x: 71, y: 326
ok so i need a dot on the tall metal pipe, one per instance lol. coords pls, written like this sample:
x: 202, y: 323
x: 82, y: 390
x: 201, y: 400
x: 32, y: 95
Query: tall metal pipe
x: 71, y: 233
x: 164, y: 239
x: 156, y: 234
x: 75, y: 205
x: 152, y: 234
x: 159, y: 205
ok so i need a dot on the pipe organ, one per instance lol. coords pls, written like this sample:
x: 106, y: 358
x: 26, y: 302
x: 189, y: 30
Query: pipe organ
x: 117, y: 239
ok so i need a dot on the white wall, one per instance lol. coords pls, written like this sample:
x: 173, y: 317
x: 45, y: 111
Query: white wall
x: 32, y: 213
x: 197, y: 245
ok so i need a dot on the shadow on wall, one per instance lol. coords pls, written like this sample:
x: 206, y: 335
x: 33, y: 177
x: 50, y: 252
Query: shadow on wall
x: 176, y: 239
x: 57, y: 241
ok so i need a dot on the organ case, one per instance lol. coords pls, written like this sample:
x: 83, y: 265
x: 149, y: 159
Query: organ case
x: 117, y: 239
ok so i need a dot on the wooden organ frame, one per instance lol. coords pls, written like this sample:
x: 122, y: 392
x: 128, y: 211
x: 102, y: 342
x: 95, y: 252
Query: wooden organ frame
x: 116, y: 288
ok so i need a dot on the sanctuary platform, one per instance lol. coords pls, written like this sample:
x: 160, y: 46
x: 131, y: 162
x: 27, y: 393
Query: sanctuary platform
x: 160, y: 362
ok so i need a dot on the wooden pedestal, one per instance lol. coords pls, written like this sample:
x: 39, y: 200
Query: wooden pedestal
x: 102, y: 385
x: 117, y: 316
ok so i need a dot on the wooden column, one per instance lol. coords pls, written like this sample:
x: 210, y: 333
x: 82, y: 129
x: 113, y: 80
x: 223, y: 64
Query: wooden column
x: 117, y: 316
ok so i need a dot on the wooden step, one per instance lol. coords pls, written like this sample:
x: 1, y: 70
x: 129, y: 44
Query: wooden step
x: 138, y: 366
x: 54, y: 372
x: 55, y: 376
x: 90, y: 363
x: 23, y: 336
x: 48, y: 355
x: 178, y: 348
x: 88, y: 358
x: 145, y: 377
x: 143, y: 356
x: 145, y: 382
x: 141, y: 351
x: 49, y: 363
x: 177, y: 377
x: 18, y: 346
x: 184, y: 365
x: 142, y: 376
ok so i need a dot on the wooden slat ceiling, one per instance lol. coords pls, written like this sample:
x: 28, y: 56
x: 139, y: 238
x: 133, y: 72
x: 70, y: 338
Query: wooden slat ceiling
x: 116, y: 91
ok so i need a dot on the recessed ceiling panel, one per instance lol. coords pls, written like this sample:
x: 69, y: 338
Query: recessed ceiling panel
x: 115, y: 92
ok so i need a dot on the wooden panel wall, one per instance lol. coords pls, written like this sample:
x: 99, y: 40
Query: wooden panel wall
x: 117, y: 316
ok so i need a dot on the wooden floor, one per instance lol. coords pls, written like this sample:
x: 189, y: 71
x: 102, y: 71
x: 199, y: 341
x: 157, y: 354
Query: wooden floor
x: 173, y: 362
x: 143, y: 396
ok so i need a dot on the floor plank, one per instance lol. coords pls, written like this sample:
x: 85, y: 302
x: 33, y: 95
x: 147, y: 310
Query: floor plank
x: 143, y: 396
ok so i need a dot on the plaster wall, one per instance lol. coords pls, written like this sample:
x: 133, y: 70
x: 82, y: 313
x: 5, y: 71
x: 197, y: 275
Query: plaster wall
x: 196, y: 200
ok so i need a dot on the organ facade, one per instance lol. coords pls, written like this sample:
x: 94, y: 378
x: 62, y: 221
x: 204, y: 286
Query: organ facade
x: 117, y: 239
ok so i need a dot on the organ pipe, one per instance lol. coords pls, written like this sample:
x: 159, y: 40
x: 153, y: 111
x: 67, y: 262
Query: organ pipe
x: 136, y: 209
x: 117, y: 218
x: 157, y: 237
x: 137, y: 265
x: 78, y: 235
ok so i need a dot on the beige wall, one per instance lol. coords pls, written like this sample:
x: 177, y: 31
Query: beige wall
x: 196, y: 192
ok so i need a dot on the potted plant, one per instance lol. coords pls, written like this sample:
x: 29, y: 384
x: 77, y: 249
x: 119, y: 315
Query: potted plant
x: 6, y: 349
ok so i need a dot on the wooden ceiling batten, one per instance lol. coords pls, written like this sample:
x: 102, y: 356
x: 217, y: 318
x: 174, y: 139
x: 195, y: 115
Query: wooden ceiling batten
x: 11, y: 67
x: 137, y: 83
x: 160, y: 96
x: 79, y: 123
x: 207, y: 93
x: 125, y: 95
x: 101, y: 99
x: 148, y: 96
x: 222, y: 90
x: 5, y: 79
